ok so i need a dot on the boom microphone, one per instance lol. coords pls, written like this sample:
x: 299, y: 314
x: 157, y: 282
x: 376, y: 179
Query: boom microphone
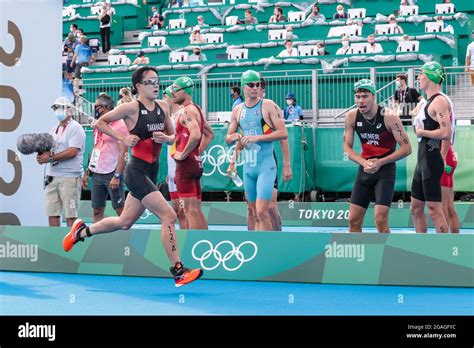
x: 29, y: 143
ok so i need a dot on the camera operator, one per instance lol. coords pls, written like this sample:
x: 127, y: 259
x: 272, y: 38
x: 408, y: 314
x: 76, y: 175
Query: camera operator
x: 64, y: 170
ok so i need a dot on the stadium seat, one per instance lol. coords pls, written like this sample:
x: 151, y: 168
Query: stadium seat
x: 156, y: 41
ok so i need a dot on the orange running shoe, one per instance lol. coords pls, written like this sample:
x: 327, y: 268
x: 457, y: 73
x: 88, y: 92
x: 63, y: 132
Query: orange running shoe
x: 74, y: 235
x: 183, y: 275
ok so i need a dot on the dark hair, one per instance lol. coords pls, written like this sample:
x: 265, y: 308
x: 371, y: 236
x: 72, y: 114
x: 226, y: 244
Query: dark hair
x: 316, y: 6
x: 106, y: 100
x: 248, y: 11
x: 138, y: 75
x: 279, y: 9
x: 74, y: 25
x: 402, y: 77
x: 235, y: 89
x: 263, y: 82
x: 288, y: 40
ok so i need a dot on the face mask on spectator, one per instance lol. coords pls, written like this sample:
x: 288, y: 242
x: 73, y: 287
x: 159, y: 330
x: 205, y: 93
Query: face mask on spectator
x: 197, y: 53
x: 155, y: 13
x: 60, y: 114
x: 321, y: 50
x: 397, y: 84
x: 345, y: 43
x: 289, y: 102
x: 340, y: 12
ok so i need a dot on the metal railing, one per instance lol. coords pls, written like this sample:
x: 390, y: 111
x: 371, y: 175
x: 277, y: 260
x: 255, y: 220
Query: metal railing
x: 324, y: 97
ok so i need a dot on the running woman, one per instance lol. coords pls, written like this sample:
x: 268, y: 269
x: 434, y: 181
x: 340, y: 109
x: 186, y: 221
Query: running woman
x: 262, y: 123
x: 148, y: 122
x: 379, y: 130
x: 431, y: 128
x: 193, y: 135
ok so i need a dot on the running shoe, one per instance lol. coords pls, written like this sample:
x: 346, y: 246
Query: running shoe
x: 183, y: 275
x: 74, y: 235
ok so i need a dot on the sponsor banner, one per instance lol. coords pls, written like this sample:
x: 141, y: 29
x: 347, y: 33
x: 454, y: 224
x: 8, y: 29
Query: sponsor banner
x: 297, y: 214
x: 339, y: 258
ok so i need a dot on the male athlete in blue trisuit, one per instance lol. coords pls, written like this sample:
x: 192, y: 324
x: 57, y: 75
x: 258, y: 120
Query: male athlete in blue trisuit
x: 261, y: 121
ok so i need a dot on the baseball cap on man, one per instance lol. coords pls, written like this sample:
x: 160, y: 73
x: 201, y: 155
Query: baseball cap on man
x: 365, y: 84
x: 61, y: 102
x: 433, y: 71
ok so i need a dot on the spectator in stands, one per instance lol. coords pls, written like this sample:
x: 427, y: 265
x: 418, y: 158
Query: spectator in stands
x: 79, y: 33
x: 68, y: 48
x: 157, y: 21
x: 289, y: 51
x: 196, y: 37
x: 83, y: 56
x: 315, y: 15
x: 73, y: 29
x: 470, y: 58
x: 141, y: 59
x: 105, y: 18
x: 405, y: 99
x: 340, y: 13
x: 249, y: 18
x: 201, y: 23
x: 373, y: 47
x: 64, y: 172
x: 393, y: 22
x: 289, y: 33
x: 321, y: 48
x: 345, y: 48
x: 125, y: 95
x: 236, y: 97
x: 197, y: 56
x: 277, y: 16
x: 293, y: 112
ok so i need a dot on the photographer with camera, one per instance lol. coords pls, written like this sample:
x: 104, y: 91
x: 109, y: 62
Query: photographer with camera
x: 64, y: 172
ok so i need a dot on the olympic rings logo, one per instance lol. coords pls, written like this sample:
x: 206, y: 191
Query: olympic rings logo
x: 218, y: 258
x: 216, y: 156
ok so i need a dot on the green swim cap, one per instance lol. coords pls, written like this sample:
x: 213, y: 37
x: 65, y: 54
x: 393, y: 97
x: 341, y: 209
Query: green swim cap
x: 365, y: 84
x: 168, y: 91
x: 249, y: 76
x: 433, y: 71
x: 184, y: 83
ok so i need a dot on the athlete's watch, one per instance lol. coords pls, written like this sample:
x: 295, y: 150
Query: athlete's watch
x: 118, y: 176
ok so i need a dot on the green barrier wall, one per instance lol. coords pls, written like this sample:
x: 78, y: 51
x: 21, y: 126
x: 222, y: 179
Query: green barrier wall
x: 330, y: 171
x: 216, y: 162
x: 335, y: 174
x: 340, y: 258
x: 320, y: 214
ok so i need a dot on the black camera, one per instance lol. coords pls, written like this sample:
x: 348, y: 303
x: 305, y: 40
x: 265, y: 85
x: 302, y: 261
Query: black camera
x: 47, y: 180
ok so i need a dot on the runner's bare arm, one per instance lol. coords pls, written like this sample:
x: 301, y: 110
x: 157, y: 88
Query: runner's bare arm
x: 168, y: 135
x: 348, y: 139
x: 395, y: 126
x: 207, y: 136
x: 188, y: 120
x: 442, y: 115
x: 122, y: 112
x: 232, y: 134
